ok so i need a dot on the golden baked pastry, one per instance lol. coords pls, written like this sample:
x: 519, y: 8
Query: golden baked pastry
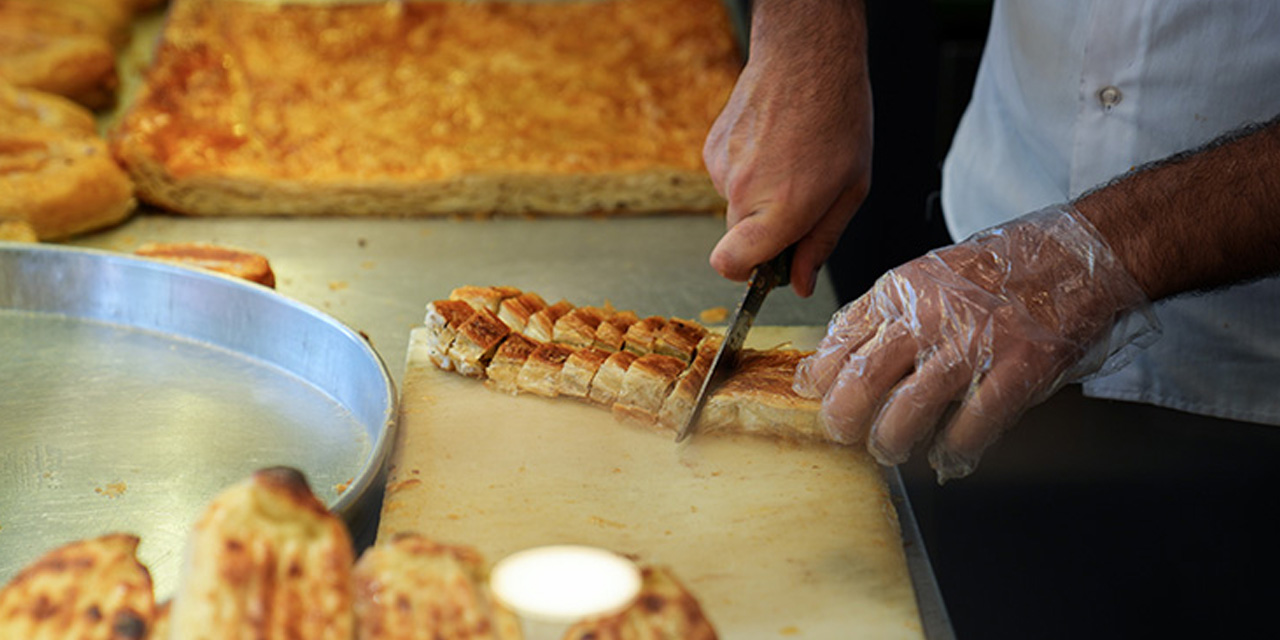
x: 55, y: 171
x: 243, y: 264
x: 17, y: 231
x: 663, y: 610
x: 412, y: 587
x: 91, y: 589
x: 266, y: 560
x: 421, y: 107
x: 649, y: 375
x: 65, y: 47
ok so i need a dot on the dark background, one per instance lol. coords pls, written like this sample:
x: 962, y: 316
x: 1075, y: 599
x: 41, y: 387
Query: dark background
x: 1092, y: 519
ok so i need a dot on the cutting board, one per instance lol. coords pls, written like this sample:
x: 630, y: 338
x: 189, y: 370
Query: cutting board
x: 774, y: 539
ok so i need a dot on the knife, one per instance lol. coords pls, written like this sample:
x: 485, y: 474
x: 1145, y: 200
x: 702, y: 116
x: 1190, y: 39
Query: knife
x: 774, y: 273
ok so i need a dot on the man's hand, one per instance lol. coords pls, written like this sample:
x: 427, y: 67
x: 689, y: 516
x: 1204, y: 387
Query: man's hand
x: 996, y: 323
x: 791, y: 152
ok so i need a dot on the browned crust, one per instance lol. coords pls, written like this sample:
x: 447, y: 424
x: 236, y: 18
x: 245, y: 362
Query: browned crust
x: 248, y: 265
x: 611, y: 333
x: 504, y: 369
x: 93, y: 588
x: 679, y: 338
x: 579, y: 370
x: 646, y: 385
x: 578, y: 327
x: 541, y: 372
x: 607, y: 104
x: 663, y: 610
x: 454, y: 312
x: 484, y: 297
x: 413, y: 587
x: 480, y: 336
x: 641, y: 335
x: 542, y: 324
x: 55, y: 172
x: 266, y: 559
x: 679, y: 404
x: 516, y: 311
x: 608, y: 381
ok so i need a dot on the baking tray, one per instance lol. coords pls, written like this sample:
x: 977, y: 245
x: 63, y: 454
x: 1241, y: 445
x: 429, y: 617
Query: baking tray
x: 132, y: 391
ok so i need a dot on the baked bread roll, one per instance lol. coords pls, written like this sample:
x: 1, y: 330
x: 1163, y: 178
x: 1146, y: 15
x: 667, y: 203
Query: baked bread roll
x: 412, y: 587
x: 266, y: 560
x: 420, y: 107
x: 55, y: 172
x: 65, y: 47
x: 91, y: 589
x: 663, y: 610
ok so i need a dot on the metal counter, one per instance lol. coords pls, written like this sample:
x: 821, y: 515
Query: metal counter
x: 376, y: 275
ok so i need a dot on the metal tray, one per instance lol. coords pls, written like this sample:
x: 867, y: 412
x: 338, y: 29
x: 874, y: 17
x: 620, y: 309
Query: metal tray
x: 133, y: 391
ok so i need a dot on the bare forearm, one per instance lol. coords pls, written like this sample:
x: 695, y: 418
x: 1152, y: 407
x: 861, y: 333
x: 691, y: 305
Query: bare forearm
x: 1199, y: 220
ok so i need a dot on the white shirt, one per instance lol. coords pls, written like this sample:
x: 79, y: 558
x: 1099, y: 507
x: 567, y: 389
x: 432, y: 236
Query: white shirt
x: 1072, y: 93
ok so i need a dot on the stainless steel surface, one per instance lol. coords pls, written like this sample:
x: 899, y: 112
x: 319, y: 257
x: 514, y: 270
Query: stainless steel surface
x: 763, y: 279
x: 135, y: 391
x: 376, y: 275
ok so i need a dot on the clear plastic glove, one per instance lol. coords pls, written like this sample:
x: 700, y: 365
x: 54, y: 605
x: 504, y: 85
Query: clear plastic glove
x: 791, y: 151
x: 998, y: 323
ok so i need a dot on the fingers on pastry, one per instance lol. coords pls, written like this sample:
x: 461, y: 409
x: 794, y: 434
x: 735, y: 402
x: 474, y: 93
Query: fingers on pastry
x: 93, y: 588
x: 412, y: 587
x: 266, y: 559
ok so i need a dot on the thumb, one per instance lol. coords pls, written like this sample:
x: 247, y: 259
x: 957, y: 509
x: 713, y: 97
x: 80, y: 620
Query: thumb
x: 755, y: 239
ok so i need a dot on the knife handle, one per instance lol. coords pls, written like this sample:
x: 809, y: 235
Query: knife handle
x: 779, y: 268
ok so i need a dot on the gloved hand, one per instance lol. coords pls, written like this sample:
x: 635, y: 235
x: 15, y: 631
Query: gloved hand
x: 998, y: 323
x: 791, y: 151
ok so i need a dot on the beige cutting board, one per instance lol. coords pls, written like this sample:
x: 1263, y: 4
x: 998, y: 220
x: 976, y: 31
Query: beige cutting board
x: 775, y: 540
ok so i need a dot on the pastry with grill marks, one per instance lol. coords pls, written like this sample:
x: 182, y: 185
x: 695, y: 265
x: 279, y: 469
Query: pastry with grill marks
x: 504, y: 369
x: 641, y: 335
x: 611, y: 334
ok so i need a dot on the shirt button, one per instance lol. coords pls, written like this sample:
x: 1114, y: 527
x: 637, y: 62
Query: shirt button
x: 1109, y: 97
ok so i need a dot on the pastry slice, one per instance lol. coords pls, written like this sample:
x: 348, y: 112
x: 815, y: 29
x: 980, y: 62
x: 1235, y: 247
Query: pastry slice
x: 758, y: 398
x: 504, y: 369
x: 242, y: 264
x: 541, y: 372
x: 56, y: 173
x: 610, y: 335
x: 679, y: 338
x: 412, y: 587
x: 516, y: 311
x: 679, y: 404
x: 266, y: 560
x: 484, y: 297
x: 608, y: 381
x: 579, y: 370
x: 476, y: 341
x: 443, y: 319
x: 663, y: 610
x: 640, y: 336
x: 578, y: 327
x: 93, y: 588
x: 647, y: 384
x: 542, y: 324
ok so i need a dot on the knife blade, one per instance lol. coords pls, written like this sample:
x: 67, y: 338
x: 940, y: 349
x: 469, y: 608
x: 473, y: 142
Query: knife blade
x: 764, y: 278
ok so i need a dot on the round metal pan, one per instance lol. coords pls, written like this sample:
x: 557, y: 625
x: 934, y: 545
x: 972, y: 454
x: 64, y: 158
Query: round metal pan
x: 133, y: 391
